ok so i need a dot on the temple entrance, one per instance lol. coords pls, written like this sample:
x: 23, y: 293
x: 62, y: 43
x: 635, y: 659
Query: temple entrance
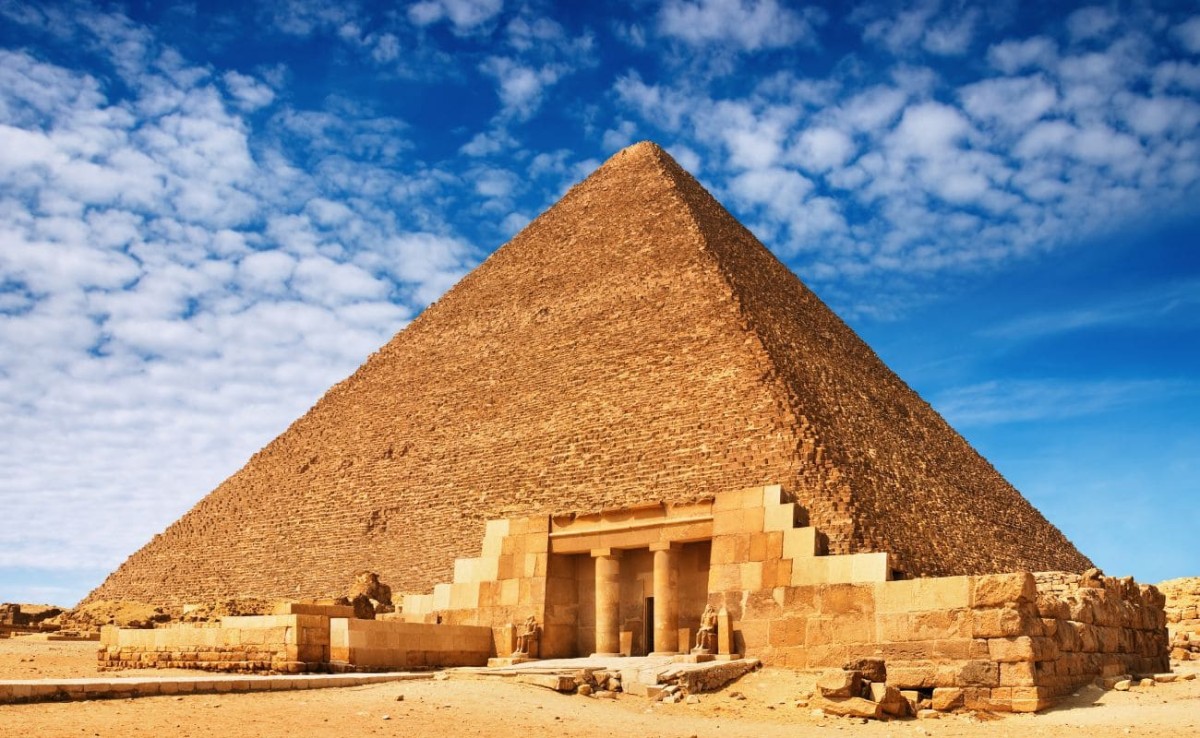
x: 621, y: 603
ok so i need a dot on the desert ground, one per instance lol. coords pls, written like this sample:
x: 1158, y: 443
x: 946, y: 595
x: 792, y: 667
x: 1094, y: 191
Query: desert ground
x: 763, y: 704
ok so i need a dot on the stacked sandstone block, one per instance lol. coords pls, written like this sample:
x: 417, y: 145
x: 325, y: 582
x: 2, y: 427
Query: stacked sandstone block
x: 980, y: 642
x: 756, y: 545
x: 1101, y: 628
x: 504, y: 584
x: 1183, y: 617
x: 262, y: 643
x: 385, y: 645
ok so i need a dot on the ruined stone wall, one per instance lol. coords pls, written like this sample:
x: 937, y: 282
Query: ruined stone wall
x: 1183, y: 617
x: 990, y: 642
x: 1096, y: 626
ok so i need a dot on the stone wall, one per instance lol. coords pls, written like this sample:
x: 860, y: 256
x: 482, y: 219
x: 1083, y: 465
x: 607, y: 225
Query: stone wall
x: 1098, y: 627
x: 633, y: 344
x: 990, y: 642
x: 385, y: 645
x: 253, y: 643
x: 1183, y: 617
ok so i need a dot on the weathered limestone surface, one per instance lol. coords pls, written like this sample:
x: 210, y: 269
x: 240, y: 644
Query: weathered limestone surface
x: 1183, y: 617
x: 294, y: 643
x: 633, y: 343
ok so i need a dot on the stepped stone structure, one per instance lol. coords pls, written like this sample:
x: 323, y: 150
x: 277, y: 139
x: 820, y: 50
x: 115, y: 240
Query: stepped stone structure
x: 634, y: 345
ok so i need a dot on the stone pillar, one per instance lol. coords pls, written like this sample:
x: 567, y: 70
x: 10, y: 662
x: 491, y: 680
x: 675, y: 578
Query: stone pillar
x: 666, y: 602
x: 608, y: 601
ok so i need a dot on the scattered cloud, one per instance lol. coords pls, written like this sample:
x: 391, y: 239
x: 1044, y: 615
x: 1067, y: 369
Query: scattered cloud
x: 1187, y: 34
x: 1092, y: 22
x: 519, y: 86
x: 186, y: 258
x: 1023, y: 401
x: 750, y: 25
x: 464, y: 16
x: 1175, y: 304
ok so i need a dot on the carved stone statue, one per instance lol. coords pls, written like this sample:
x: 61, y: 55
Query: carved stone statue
x: 706, y: 637
x: 527, y: 639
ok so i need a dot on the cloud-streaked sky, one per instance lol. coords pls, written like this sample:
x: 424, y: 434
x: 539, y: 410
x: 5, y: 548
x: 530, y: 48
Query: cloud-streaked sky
x: 212, y: 211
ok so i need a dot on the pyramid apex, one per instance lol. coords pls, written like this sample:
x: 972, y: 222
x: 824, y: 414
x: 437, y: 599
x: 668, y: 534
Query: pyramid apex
x: 643, y: 150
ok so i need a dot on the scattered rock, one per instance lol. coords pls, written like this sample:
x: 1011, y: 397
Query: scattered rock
x: 585, y: 689
x: 851, y: 707
x: 873, y: 670
x: 399, y: 698
x: 1146, y: 683
x: 840, y: 684
x: 693, y: 699
x: 1123, y: 685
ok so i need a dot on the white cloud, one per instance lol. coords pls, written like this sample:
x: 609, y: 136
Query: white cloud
x: 930, y: 130
x: 1012, y: 102
x: 171, y: 271
x: 665, y: 106
x: 872, y: 109
x: 1044, y: 400
x: 821, y: 148
x: 464, y: 16
x: 781, y: 191
x: 248, y: 91
x: 1187, y: 34
x: 304, y: 17
x: 951, y: 36
x: 747, y: 24
x: 1014, y: 56
x: 520, y: 86
x: 619, y: 136
x: 687, y: 157
x: 1091, y: 22
x: 488, y: 142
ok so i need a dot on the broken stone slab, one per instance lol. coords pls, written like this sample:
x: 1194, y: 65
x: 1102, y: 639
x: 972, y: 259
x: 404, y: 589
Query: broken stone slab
x: 839, y: 684
x: 557, y: 682
x: 889, y: 700
x: 849, y: 707
x: 946, y: 699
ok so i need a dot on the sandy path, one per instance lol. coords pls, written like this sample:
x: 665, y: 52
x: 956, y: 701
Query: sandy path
x: 493, y: 707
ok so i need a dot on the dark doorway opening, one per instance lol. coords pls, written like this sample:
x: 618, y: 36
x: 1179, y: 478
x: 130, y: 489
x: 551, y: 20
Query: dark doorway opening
x: 649, y: 621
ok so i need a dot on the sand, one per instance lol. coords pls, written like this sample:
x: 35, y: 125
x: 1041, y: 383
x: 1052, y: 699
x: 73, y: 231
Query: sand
x: 494, y: 707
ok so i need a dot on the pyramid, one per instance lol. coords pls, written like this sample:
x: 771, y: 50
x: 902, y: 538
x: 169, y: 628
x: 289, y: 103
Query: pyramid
x: 633, y: 344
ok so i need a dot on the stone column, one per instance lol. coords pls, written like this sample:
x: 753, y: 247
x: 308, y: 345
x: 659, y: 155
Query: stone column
x: 608, y: 601
x: 666, y: 602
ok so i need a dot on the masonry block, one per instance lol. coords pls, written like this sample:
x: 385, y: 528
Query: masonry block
x: 923, y: 595
x: 997, y: 590
x: 800, y: 543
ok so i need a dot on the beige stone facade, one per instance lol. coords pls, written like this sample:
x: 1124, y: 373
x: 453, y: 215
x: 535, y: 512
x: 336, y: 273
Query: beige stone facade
x: 635, y: 581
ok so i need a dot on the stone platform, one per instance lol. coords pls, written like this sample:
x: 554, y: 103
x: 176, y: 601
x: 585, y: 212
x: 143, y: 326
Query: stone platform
x: 63, y: 690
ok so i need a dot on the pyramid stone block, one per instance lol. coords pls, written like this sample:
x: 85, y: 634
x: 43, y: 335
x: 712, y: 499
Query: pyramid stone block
x: 633, y: 344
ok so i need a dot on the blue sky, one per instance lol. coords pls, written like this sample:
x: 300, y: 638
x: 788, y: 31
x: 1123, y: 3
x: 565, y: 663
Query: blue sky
x: 211, y: 212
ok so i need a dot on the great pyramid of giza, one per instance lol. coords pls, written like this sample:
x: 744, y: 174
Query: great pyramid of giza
x: 633, y: 344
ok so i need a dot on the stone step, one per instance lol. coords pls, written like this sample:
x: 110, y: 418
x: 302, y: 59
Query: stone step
x: 63, y: 690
